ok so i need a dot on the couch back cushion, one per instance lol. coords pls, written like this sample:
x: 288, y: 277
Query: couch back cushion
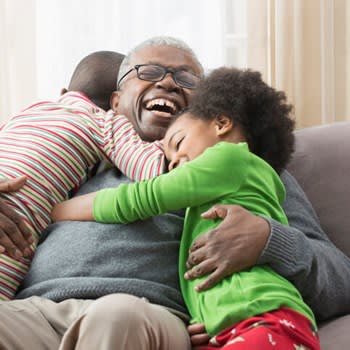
x: 321, y: 164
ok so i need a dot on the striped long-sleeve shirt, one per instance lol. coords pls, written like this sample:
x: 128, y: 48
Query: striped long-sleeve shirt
x: 56, y: 144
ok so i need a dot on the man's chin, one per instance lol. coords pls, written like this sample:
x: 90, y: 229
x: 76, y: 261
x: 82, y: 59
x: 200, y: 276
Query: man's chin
x: 156, y: 125
x: 153, y: 132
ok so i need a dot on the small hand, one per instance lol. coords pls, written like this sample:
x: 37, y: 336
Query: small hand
x: 12, y: 185
x: 198, y: 335
x: 234, y: 245
x: 15, y: 237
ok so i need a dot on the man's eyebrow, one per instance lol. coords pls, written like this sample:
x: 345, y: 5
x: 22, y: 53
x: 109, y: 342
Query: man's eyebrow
x: 183, y: 67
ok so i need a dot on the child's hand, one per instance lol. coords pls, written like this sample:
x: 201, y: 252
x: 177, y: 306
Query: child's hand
x: 12, y: 185
x: 76, y: 209
x: 198, y: 334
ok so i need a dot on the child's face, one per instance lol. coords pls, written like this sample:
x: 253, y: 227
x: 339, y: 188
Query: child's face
x: 187, y: 138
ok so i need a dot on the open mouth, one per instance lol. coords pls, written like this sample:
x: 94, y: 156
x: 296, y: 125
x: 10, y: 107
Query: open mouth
x: 162, y: 105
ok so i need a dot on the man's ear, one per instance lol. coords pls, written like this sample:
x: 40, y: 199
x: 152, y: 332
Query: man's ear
x: 114, y: 101
x: 63, y: 91
x: 223, y: 125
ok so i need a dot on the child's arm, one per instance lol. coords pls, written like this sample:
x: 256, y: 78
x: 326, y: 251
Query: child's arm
x: 78, y: 208
x: 135, y: 158
x: 203, y: 180
x: 116, y: 138
x: 199, y: 181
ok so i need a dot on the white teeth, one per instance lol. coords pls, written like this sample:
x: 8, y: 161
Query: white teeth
x: 161, y: 102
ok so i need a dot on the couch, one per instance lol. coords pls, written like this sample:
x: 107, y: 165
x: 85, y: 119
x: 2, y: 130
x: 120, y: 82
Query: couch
x: 321, y: 164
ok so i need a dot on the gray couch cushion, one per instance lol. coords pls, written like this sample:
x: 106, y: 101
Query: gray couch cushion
x: 321, y: 164
x: 334, y: 335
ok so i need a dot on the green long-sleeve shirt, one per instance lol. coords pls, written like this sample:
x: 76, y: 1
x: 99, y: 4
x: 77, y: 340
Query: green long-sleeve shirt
x: 225, y: 173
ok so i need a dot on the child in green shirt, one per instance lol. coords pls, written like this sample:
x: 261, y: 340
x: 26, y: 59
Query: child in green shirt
x: 227, y: 147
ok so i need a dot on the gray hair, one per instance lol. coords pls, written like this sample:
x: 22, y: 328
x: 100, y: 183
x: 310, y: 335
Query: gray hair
x: 155, y: 42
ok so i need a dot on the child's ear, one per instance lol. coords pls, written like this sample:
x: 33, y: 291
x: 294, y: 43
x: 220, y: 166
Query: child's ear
x: 223, y: 125
x: 114, y: 101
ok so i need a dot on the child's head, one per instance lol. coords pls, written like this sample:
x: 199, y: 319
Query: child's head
x: 233, y: 105
x: 189, y: 136
x: 96, y: 76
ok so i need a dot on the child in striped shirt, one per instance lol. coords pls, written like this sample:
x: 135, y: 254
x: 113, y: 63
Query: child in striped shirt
x: 56, y: 146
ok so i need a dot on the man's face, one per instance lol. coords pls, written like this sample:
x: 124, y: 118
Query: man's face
x: 151, y: 105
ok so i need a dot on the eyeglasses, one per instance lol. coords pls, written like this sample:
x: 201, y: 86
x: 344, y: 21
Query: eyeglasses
x: 155, y: 72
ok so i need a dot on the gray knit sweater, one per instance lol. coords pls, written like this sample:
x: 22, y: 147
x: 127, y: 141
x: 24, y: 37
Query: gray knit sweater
x: 87, y: 260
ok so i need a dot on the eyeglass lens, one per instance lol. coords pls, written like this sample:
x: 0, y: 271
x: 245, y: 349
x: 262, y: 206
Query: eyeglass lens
x: 182, y: 78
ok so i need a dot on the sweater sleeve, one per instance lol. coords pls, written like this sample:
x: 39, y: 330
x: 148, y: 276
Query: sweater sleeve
x: 189, y: 185
x: 304, y: 254
x: 135, y: 158
x: 115, y: 137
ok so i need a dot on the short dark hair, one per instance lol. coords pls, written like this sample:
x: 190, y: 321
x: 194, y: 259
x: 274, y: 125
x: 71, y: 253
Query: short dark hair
x: 96, y: 76
x: 261, y: 111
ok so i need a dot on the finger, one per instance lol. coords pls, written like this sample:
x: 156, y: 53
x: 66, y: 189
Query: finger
x: 10, y: 248
x: 11, y: 236
x: 211, y: 280
x: 199, y: 242
x: 199, y: 270
x: 196, y: 257
x: 23, y: 228
x: 200, y: 339
x: 198, y: 334
x: 11, y: 185
x: 217, y: 211
x: 196, y: 328
x: 4, y: 186
x: 16, y: 225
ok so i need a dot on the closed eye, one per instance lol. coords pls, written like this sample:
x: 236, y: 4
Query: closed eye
x: 178, y: 143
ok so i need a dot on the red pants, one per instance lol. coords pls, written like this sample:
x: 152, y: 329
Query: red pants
x: 283, y: 329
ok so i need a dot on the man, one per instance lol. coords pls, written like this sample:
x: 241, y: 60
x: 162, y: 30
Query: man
x: 79, y: 267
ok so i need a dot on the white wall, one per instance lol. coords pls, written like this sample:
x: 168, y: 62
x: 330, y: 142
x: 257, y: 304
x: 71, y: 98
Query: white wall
x: 17, y: 55
x: 43, y: 40
x: 68, y: 30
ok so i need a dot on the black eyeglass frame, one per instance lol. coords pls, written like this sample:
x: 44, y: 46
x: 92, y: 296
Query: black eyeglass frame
x: 166, y: 70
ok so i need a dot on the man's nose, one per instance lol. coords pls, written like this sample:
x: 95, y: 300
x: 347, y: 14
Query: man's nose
x: 168, y: 82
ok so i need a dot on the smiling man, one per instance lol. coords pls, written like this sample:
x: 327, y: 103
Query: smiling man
x: 151, y: 92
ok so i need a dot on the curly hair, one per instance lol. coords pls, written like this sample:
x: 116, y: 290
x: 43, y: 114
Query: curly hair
x: 261, y: 111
